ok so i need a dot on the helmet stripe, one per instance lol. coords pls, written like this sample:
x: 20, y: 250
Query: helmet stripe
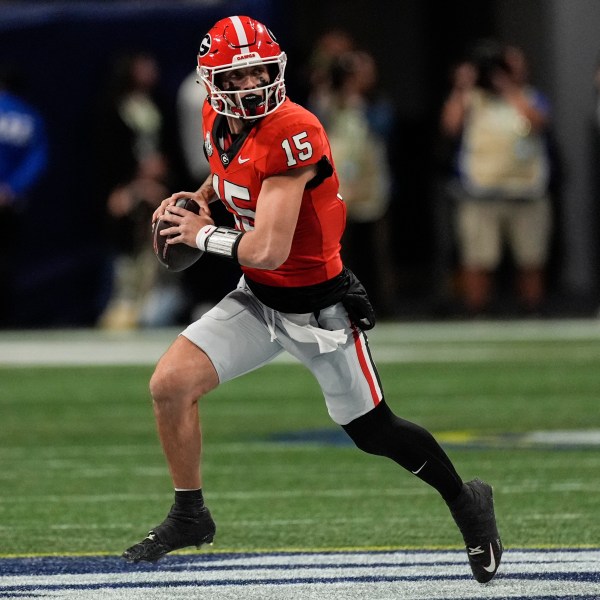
x: 241, y: 33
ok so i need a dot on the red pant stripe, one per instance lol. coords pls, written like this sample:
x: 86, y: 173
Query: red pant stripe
x: 366, y: 365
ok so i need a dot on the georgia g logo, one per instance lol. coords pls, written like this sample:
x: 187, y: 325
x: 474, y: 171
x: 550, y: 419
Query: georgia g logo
x: 205, y: 45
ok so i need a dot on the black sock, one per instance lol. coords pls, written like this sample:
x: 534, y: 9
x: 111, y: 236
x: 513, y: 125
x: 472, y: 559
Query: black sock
x: 189, y: 501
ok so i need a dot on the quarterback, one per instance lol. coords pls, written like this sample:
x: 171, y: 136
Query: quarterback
x: 271, y: 166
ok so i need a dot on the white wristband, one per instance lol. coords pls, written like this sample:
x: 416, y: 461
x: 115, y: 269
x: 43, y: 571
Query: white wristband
x: 224, y: 241
x: 202, y: 236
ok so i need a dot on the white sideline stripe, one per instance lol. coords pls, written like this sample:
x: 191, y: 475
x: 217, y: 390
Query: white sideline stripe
x: 198, y: 575
x: 93, y: 353
x: 332, y: 575
x: 389, y: 342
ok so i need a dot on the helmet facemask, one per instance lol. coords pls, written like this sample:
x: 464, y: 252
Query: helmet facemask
x: 241, y: 104
x: 240, y: 42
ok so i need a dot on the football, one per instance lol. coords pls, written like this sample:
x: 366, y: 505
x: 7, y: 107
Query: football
x: 175, y: 257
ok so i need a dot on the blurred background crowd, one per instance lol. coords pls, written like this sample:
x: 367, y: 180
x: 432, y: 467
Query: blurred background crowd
x: 465, y: 133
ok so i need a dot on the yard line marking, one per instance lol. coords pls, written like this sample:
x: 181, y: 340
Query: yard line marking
x: 229, y: 495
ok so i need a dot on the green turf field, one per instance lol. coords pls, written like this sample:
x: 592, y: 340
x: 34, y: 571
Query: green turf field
x: 81, y: 469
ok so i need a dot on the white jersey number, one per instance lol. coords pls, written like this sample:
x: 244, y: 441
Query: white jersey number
x: 300, y: 152
x: 235, y: 196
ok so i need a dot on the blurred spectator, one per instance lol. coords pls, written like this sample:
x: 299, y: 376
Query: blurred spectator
x: 358, y: 120
x: 503, y: 174
x: 23, y: 160
x: 134, y: 176
x: 461, y: 79
x: 329, y: 47
x: 191, y: 95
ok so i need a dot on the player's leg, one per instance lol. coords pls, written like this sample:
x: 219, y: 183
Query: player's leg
x: 383, y: 433
x: 228, y: 341
x: 354, y: 398
x: 349, y: 380
x: 183, y: 375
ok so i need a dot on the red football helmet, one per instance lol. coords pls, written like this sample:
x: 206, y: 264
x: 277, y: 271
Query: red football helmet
x: 236, y: 43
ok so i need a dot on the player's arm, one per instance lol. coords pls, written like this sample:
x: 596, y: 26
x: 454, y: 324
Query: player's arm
x: 268, y: 245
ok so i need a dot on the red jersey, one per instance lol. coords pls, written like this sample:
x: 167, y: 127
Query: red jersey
x: 289, y: 138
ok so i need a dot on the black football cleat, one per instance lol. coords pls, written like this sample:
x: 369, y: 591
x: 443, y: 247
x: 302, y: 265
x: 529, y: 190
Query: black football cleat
x: 473, y: 512
x: 175, y: 532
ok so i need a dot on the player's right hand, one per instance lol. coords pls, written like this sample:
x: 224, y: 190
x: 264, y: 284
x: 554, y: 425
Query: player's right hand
x: 198, y: 196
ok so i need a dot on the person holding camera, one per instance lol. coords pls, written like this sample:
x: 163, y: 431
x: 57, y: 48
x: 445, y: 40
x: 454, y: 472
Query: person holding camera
x: 502, y: 174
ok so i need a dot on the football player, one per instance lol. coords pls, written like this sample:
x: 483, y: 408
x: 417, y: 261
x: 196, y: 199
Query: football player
x: 271, y: 166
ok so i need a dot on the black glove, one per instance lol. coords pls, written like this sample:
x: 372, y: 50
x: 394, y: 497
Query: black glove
x: 357, y: 304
